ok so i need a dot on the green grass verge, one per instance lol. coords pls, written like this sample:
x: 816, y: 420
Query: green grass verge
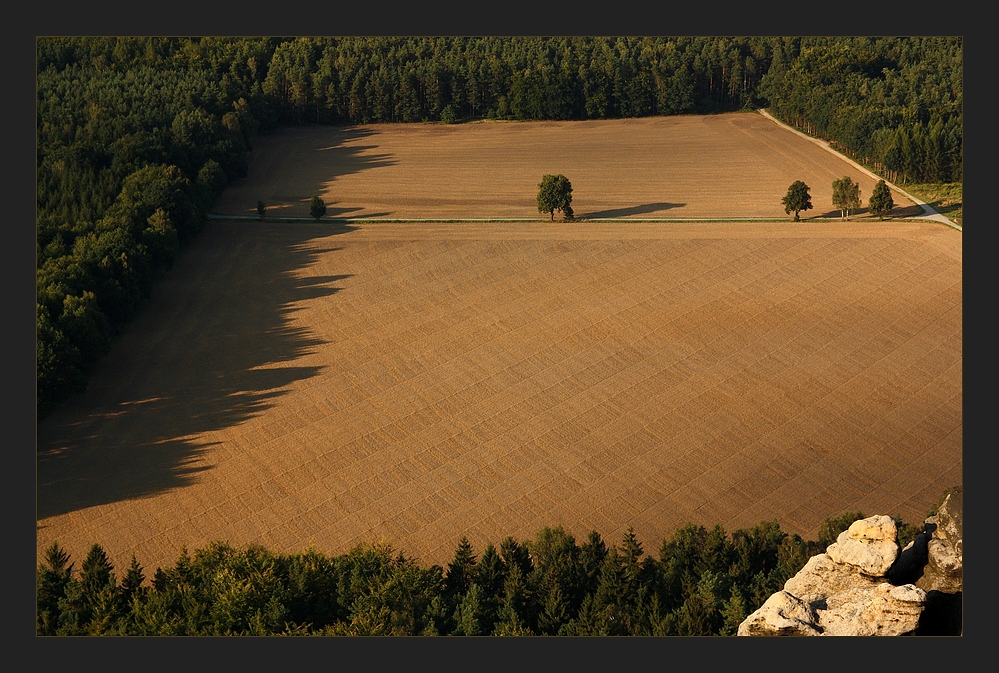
x: 946, y: 198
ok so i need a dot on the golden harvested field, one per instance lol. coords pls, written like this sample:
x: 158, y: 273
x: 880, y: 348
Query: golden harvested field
x: 717, y: 166
x: 308, y: 383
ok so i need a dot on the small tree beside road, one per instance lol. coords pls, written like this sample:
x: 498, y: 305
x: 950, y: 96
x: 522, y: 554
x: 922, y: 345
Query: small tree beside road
x: 555, y: 193
x: 261, y: 209
x: 797, y: 199
x: 318, y: 208
x: 880, y: 203
x: 846, y: 195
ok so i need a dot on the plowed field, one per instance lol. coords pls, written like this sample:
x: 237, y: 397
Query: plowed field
x: 308, y: 383
x: 716, y: 166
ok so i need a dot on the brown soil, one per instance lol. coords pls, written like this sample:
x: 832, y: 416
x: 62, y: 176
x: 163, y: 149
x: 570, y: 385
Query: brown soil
x: 717, y: 166
x: 296, y: 384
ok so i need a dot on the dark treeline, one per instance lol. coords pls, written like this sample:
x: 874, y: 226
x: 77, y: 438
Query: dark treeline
x: 894, y: 103
x: 387, y: 79
x: 136, y: 137
x: 704, y: 582
x: 135, y: 140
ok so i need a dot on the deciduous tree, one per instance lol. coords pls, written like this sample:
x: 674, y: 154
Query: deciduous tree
x: 846, y: 195
x: 797, y: 199
x: 555, y: 193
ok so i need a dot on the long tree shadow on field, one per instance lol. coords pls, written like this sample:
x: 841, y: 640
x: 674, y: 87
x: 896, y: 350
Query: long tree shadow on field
x: 634, y: 210
x: 212, y: 348
x: 898, y: 212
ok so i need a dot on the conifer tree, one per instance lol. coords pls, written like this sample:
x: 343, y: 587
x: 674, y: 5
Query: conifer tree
x: 51, y: 580
x: 461, y: 570
x: 317, y: 208
x: 468, y: 615
x: 513, y: 616
x: 591, y: 559
x: 880, y: 203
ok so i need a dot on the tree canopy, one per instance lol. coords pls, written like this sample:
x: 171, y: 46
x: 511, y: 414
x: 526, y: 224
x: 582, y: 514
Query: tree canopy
x: 555, y: 193
x: 797, y: 199
x: 880, y: 203
x: 846, y: 195
x: 317, y: 207
x: 702, y: 582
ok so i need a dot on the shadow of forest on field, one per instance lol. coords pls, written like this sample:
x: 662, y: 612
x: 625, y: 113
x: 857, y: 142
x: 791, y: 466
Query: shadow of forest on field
x: 212, y: 348
x: 328, y: 153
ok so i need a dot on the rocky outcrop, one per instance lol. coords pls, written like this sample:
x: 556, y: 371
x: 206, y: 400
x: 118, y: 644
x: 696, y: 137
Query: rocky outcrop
x: 782, y: 615
x: 944, y: 569
x: 863, y: 585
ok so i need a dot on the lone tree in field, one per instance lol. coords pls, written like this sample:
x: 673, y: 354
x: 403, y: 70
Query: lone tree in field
x: 555, y: 193
x: 846, y: 195
x: 880, y: 203
x: 797, y: 199
x: 261, y: 208
x: 318, y: 208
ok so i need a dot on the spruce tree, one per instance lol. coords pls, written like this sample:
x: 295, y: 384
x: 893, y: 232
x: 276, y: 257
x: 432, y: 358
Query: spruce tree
x: 591, y: 559
x: 460, y: 571
x: 880, y: 203
x: 51, y: 580
x: 317, y: 208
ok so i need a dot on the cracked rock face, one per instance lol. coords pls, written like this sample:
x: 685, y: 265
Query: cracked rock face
x: 782, y: 615
x: 882, y: 610
x: 821, y: 577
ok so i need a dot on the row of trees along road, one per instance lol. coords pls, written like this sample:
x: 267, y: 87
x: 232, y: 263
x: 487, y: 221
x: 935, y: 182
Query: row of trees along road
x: 704, y: 582
x: 846, y: 197
x: 136, y: 137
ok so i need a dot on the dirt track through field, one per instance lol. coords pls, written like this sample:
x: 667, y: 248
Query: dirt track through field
x: 309, y: 383
x: 735, y: 165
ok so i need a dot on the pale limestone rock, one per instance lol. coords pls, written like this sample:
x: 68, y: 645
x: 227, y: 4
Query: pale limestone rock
x: 781, y: 615
x: 882, y: 610
x: 862, y: 585
x: 870, y: 544
x: 822, y: 577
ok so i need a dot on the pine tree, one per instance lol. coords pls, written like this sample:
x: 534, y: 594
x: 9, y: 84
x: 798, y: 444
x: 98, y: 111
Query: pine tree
x: 51, y: 580
x: 460, y: 571
x: 514, y: 617
x: 591, y: 558
x: 733, y: 613
x: 317, y: 208
x: 554, y: 611
x: 468, y: 614
x: 97, y: 581
x: 490, y: 573
x: 880, y: 203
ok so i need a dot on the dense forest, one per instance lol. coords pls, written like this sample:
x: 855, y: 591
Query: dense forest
x: 136, y: 137
x: 704, y: 582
